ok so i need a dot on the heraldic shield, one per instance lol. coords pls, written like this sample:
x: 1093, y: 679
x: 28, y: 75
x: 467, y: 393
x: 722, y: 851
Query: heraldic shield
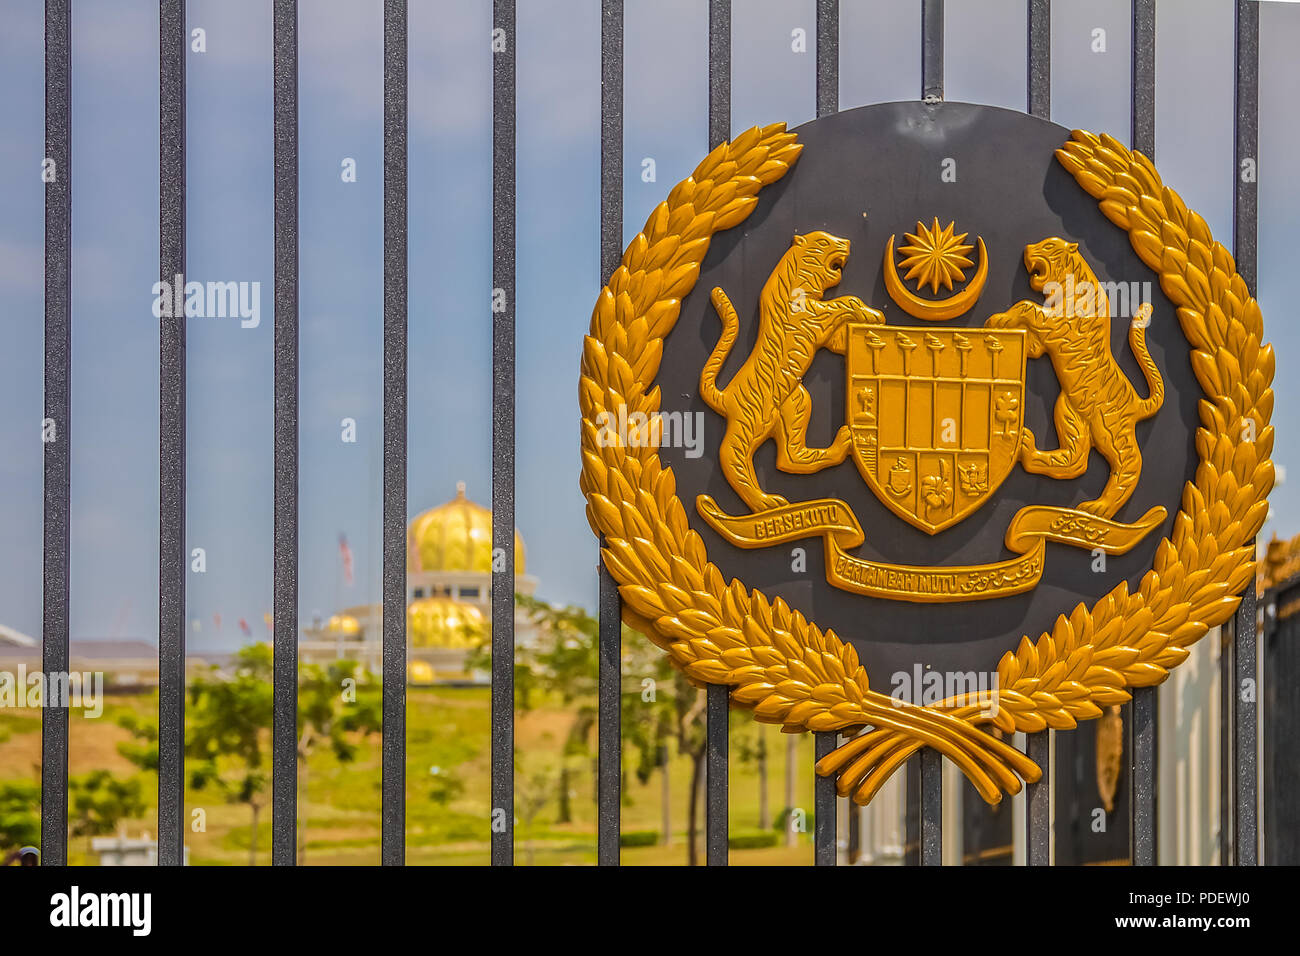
x: 935, y: 416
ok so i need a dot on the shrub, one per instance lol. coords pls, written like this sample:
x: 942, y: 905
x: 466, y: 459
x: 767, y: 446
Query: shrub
x: 754, y: 840
x: 638, y: 838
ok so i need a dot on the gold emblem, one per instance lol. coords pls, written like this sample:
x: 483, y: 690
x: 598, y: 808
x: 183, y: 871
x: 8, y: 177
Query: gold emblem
x: 934, y: 419
x: 791, y: 672
x: 934, y: 255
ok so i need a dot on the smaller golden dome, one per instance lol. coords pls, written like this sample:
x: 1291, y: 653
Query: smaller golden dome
x: 344, y: 624
x: 420, y: 672
x: 455, y: 536
x: 442, y: 622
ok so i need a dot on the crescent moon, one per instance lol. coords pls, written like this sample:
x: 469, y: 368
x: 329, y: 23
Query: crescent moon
x: 934, y: 310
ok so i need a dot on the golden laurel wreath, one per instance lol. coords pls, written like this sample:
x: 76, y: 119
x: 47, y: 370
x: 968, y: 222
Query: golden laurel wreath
x: 791, y: 672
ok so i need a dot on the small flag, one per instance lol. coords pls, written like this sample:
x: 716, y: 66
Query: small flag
x: 244, y: 628
x: 345, y: 555
x: 216, y: 619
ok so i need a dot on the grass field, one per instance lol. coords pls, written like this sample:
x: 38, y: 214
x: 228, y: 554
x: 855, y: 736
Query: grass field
x: 447, y: 729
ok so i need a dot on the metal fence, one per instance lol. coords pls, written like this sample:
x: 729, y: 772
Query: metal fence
x: 1239, y: 830
x: 1280, y: 693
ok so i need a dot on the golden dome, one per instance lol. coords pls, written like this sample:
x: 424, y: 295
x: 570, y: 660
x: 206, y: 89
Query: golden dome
x: 443, y: 622
x: 420, y: 672
x: 344, y: 624
x: 455, y: 536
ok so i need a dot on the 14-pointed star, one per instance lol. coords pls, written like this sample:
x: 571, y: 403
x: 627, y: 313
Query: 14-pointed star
x: 935, y: 256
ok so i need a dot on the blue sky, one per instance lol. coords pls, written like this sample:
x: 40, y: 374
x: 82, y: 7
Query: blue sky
x: 115, y: 251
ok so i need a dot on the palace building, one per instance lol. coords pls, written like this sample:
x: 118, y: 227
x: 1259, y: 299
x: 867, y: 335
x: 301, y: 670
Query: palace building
x: 448, y: 599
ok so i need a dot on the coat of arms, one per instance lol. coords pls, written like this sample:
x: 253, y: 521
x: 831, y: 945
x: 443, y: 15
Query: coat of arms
x: 972, y: 420
x: 934, y: 415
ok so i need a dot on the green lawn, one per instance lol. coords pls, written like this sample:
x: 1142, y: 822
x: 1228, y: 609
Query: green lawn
x: 447, y: 728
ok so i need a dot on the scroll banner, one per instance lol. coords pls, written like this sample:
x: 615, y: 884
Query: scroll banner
x: 832, y: 519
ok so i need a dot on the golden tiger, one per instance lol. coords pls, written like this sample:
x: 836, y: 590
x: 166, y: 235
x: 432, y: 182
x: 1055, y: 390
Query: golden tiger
x: 1098, y: 407
x: 766, y: 397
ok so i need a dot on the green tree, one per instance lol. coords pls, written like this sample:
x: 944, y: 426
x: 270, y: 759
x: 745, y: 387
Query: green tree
x: 562, y: 660
x: 337, y: 705
x: 142, y: 749
x: 99, y: 801
x: 446, y: 787
x: 749, y: 742
x: 534, y: 680
x: 567, y: 655
x: 224, y: 735
x: 534, y: 783
x: 689, y: 703
x: 665, y: 708
x: 649, y: 724
x: 20, y: 819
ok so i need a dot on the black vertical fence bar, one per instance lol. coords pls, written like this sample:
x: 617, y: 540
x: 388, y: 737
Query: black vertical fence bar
x: 284, y: 708
x: 912, y: 812
x: 393, y: 801
x: 503, y: 432
x: 56, y: 433
x: 1143, y: 110
x: 171, y: 437
x: 931, y: 50
x: 931, y: 763
x: 1142, y: 756
x: 931, y: 807
x: 610, y: 667
x: 1038, y: 802
x: 824, y: 808
x: 828, y: 57
x: 1245, y: 734
x: 828, y: 102
x: 609, y: 752
x: 1038, y: 98
x: 1141, y: 725
x: 1245, y: 211
x: 716, y: 824
x: 717, y: 799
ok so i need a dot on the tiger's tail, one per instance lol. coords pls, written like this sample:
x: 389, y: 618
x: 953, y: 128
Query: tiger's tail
x: 1137, y: 340
x: 709, y: 390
